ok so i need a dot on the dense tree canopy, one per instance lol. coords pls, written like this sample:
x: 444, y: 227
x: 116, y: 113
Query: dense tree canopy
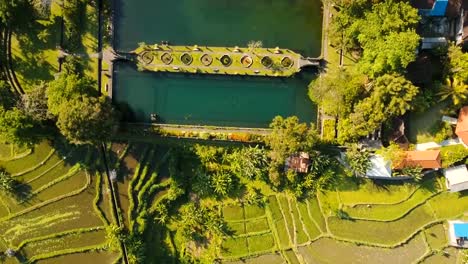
x: 337, y: 91
x: 383, y: 32
x: 7, y: 98
x: 390, y: 96
x: 86, y: 119
x: 458, y: 64
x: 67, y: 87
x: 289, y: 136
x: 390, y: 53
x: 34, y: 103
x: 17, y: 128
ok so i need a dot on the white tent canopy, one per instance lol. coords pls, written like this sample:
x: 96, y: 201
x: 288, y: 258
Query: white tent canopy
x: 456, y: 178
x: 379, y: 168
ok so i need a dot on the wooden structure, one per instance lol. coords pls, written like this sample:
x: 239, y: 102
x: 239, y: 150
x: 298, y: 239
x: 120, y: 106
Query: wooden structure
x: 299, y: 162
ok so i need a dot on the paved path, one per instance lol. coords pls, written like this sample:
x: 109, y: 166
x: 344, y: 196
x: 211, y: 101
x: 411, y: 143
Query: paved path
x: 431, y: 145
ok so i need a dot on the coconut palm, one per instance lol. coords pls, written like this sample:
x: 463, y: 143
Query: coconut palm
x: 455, y: 89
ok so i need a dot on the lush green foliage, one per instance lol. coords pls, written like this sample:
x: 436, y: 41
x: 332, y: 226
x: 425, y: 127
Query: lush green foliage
x: 456, y: 90
x: 17, y: 128
x: 451, y: 155
x: 358, y: 159
x: 65, y: 88
x: 384, y: 32
x: 81, y: 116
x: 337, y: 91
x: 86, y: 119
x: 34, y: 103
x: 391, y: 96
x: 7, y: 184
x: 391, y: 53
x: 457, y: 64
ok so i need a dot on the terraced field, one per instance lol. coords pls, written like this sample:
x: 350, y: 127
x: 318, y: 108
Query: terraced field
x: 61, y: 209
x: 405, y: 224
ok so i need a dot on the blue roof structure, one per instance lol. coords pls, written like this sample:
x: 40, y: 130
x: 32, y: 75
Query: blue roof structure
x: 438, y: 9
x: 461, y: 229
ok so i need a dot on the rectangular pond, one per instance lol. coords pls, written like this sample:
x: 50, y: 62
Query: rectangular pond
x: 207, y: 99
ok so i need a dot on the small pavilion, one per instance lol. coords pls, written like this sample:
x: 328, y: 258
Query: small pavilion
x: 379, y: 167
x: 456, y: 178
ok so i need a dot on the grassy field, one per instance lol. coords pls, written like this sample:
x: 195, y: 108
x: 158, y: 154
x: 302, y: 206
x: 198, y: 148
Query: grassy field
x: 59, y: 213
x: 35, y: 51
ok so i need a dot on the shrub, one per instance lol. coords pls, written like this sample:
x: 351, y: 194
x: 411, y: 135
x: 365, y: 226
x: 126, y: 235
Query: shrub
x: 453, y: 154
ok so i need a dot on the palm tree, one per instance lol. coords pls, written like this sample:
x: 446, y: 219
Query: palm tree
x: 455, y: 89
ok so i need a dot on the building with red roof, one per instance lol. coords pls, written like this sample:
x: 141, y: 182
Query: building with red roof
x: 426, y: 159
x: 462, y: 125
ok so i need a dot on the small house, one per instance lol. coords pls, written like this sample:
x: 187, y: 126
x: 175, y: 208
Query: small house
x: 456, y: 178
x: 299, y: 162
x: 458, y: 234
x: 462, y: 125
x: 426, y: 159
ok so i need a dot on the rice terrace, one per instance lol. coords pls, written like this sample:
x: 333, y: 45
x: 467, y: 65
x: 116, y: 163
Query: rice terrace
x: 267, y: 131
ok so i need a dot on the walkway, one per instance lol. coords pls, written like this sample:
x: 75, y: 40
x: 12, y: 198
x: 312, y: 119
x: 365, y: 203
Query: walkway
x: 432, y: 145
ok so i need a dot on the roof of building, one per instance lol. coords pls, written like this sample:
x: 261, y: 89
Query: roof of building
x: 461, y: 229
x: 456, y: 178
x: 427, y: 159
x: 298, y: 162
x: 450, y: 9
x: 379, y: 167
x: 462, y: 125
x: 456, y: 175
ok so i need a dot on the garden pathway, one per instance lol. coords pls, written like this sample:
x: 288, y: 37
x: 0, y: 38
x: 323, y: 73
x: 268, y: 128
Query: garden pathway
x: 431, y: 145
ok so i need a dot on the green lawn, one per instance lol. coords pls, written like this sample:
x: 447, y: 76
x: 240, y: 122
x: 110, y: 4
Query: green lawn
x: 423, y: 127
x: 34, y: 52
